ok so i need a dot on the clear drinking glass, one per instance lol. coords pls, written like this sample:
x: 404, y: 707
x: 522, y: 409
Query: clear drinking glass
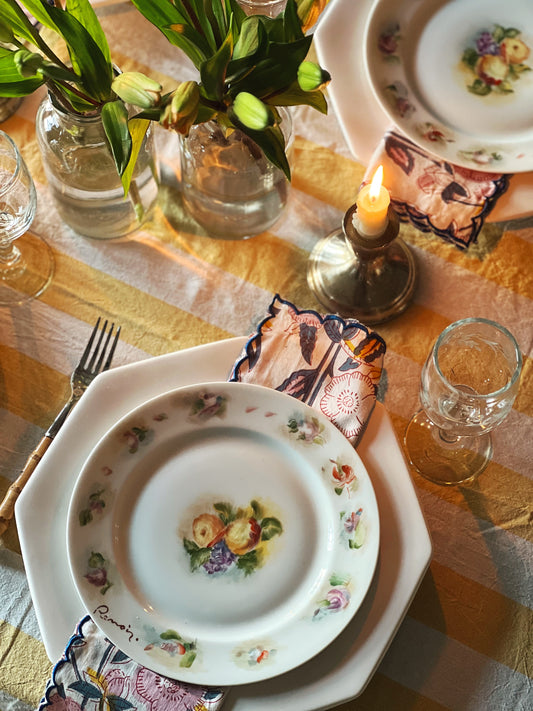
x: 26, y: 267
x: 468, y: 385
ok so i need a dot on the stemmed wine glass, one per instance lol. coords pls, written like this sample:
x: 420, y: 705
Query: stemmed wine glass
x: 468, y: 385
x: 26, y: 268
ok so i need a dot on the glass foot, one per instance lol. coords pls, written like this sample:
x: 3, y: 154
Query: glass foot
x: 444, y: 462
x: 30, y: 275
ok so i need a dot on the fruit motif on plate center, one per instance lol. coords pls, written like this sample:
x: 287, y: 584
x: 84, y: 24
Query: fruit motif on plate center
x: 226, y: 539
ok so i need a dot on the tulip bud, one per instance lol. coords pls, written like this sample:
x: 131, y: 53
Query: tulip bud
x: 252, y: 112
x: 311, y: 76
x: 137, y: 89
x: 27, y: 63
x: 181, y: 111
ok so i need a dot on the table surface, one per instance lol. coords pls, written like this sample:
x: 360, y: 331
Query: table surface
x: 466, y: 640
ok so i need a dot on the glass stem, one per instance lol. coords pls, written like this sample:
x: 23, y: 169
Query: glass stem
x: 448, y: 438
x: 9, y: 254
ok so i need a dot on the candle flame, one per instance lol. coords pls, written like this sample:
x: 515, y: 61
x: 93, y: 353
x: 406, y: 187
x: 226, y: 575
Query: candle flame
x: 375, y: 185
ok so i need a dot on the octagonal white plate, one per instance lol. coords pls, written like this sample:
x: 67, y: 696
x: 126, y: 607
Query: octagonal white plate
x: 340, y: 45
x: 333, y: 676
x: 455, y: 76
x: 216, y: 526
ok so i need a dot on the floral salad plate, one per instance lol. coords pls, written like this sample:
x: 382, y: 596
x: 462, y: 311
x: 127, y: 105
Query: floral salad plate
x: 455, y: 76
x: 223, y: 533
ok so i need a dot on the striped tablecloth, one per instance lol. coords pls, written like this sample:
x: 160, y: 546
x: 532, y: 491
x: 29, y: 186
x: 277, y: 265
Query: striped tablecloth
x: 467, y: 640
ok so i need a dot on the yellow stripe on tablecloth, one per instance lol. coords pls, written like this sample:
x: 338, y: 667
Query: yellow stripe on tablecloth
x: 475, y: 616
x: 24, y: 667
x: 324, y: 174
x: 148, y: 323
x: 266, y: 261
x: 506, y: 265
x: 499, y: 495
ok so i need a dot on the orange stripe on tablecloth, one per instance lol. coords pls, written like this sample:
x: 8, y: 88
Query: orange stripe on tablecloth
x: 24, y: 668
x: 30, y: 389
x: 481, y: 619
x: 383, y: 693
x: 500, y: 495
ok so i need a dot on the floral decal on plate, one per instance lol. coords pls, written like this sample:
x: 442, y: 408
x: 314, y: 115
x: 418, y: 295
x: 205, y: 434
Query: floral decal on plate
x: 337, y: 597
x: 251, y: 657
x: 398, y: 96
x: 481, y: 156
x: 496, y: 60
x: 306, y: 429
x: 388, y: 42
x: 137, y: 436
x: 207, y: 405
x: 96, y: 504
x: 174, y: 646
x: 342, y: 476
x: 97, y: 572
x: 231, y: 538
x: 434, y: 134
x: 353, y: 530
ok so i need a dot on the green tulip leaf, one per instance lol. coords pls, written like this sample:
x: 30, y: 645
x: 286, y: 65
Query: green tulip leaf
x: 14, y: 17
x: 82, y: 10
x: 294, y: 96
x: 89, y: 62
x: 213, y: 71
x: 115, y: 122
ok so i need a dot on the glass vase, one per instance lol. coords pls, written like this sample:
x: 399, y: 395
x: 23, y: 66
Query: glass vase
x: 82, y: 176
x: 229, y: 186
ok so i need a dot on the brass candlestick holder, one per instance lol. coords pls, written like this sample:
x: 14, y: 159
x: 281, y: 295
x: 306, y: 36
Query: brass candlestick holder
x: 372, y: 279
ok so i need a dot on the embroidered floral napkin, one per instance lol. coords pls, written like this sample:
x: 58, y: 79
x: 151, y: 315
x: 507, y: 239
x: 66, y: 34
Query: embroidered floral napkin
x: 432, y: 194
x: 324, y: 361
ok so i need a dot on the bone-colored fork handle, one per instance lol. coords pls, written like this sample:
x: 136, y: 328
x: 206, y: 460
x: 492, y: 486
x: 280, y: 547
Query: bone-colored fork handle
x: 7, y: 507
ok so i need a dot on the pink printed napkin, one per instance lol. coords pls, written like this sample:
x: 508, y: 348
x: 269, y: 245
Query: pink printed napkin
x: 432, y: 194
x: 329, y: 363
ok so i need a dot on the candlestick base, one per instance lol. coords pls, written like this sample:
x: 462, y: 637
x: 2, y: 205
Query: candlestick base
x: 371, y: 279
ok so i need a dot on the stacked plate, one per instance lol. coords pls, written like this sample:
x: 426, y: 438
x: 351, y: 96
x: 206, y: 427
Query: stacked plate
x: 223, y: 533
x: 453, y: 75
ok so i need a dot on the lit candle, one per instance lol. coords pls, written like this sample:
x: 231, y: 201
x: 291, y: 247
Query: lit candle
x: 373, y: 200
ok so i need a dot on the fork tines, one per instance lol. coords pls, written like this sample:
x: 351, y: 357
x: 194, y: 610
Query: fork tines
x: 100, y: 365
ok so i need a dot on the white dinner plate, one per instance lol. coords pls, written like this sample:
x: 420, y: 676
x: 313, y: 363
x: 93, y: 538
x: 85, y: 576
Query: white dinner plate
x: 216, y: 527
x: 455, y: 76
x: 338, y: 673
x: 340, y: 45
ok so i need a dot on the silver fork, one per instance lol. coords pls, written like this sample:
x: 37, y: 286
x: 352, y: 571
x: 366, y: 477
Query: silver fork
x: 95, y: 359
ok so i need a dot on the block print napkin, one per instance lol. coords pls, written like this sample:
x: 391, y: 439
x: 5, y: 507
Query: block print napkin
x: 332, y: 365
x: 324, y: 361
x: 432, y: 194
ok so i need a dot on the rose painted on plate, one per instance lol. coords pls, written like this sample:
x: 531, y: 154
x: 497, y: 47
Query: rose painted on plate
x: 342, y: 476
x: 231, y: 540
x: 96, y: 503
x: 306, y: 429
x: 337, y: 597
x: 97, y: 572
